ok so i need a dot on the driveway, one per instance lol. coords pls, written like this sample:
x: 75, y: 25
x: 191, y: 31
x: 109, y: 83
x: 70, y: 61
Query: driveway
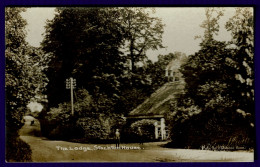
x: 45, y: 150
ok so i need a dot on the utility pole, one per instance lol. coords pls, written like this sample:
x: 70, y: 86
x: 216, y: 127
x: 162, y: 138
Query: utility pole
x: 71, y: 84
x: 71, y: 96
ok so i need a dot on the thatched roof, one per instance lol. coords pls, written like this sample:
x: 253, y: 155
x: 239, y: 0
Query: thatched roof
x: 159, y: 102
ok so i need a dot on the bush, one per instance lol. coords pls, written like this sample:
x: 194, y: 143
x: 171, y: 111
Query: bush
x: 100, y: 127
x: 93, y: 128
x: 147, y: 127
x: 116, y: 122
x: 66, y: 131
x: 85, y: 126
x: 17, y: 150
x: 58, y: 123
x: 211, y: 129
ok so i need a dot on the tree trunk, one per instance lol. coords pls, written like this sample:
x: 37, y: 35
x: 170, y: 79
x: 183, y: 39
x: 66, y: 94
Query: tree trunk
x: 132, y: 56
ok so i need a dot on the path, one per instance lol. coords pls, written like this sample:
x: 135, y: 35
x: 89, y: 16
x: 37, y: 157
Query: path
x: 44, y: 150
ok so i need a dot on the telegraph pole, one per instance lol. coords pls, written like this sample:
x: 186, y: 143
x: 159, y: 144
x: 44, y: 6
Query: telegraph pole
x: 71, y: 84
x: 71, y: 95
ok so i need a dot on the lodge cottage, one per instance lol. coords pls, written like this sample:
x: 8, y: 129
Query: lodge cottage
x: 158, y: 105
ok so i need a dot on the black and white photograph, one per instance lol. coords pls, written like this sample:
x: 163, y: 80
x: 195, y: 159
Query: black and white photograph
x: 129, y: 84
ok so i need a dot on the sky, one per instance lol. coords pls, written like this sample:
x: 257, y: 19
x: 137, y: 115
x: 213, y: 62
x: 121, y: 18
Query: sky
x: 182, y: 24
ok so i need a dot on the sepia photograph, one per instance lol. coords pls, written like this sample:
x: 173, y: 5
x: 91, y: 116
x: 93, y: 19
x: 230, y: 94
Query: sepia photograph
x: 129, y: 84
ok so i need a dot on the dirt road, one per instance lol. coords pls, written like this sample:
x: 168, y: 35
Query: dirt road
x: 44, y: 150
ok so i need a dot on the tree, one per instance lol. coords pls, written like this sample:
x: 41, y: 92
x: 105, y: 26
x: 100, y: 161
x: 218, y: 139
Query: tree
x: 16, y: 94
x: 210, y: 25
x: 219, y: 82
x: 84, y: 43
x: 241, y: 63
x: 205, y: 72
x: 24, y: 68
x: 141, y: 32
x: 24, y: 80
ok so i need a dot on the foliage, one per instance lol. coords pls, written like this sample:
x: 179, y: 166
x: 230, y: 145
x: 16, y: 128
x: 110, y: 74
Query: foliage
x: 207, y: 75
x: 17, y: 150
x: 24, y: 68
x: 24, y: 79
x: 60, y: 115
x: 141, y: 32
x: 242, y: 62
x: 147, y: 80
x: 219, y: 83
x: 98, y: 128
x: 84, y: 43
x: 59, y: 123
x: 93, y: 128
x: 86, y: 125
x: 130, y: 99
x: 210, y: 24
x: 84, y: 102
x: 147, y: 127
x: 87, y: 44
x: 17, y: 93
x: 211, y: 128
x: 88, y: 128
x: 213, y: 74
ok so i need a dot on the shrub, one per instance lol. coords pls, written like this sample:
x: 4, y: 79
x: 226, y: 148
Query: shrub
x: 87, y: 124
x: 147, y: 127
x: 58, y: 123
x: 66, y: 131
x: 116, y: 122
x: 84, y: 103
x: 17, y: 150
x: 93, y: 128
x: 211, y: 129
x: 100, y: 127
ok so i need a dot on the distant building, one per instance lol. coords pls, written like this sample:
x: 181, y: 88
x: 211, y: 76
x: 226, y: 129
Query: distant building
x: 172, y: 69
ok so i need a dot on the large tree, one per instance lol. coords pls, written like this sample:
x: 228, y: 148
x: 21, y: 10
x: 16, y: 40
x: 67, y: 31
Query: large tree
x: 84, y: 43
x: 17, y: 94
x: 24, y: 80
x: 241, y: 26
x: 206, y: 72
x: 219, y: 82
x: 141, y: 31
